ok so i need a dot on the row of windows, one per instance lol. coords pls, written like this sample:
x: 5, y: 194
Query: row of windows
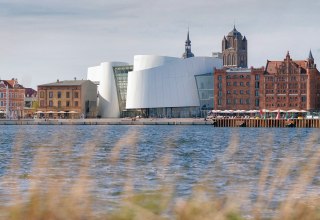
x: 239, y: 101
x: 59, y: 104
x: 11, y: 95
x: 285, y: 79
x: 12, y: 104
x: 236, y: 83
x: 240, y: 92
x: 60, y: 94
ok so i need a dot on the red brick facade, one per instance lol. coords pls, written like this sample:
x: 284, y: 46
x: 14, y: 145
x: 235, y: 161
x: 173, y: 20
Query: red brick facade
x: 282, y: 85
x: 292, y: 84
x: 238, y: 89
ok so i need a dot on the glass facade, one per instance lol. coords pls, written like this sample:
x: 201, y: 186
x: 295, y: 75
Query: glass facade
x: 205, y: 92
x: 121, y: 78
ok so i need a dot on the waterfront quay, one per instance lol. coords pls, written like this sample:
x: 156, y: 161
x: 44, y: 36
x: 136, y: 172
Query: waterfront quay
x: 221, y: 122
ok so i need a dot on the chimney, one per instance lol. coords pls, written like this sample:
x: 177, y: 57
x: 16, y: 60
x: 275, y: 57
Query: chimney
x: 75, y: 78
x: 58, y: 81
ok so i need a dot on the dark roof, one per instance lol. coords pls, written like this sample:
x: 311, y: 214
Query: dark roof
x: 66, y: 83
x: 12, y: 84
x: 235, y: 33
x: 29, y: 92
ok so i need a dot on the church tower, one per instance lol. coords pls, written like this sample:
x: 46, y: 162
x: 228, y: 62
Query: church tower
x: 187, y: 53
x: 235, y: 50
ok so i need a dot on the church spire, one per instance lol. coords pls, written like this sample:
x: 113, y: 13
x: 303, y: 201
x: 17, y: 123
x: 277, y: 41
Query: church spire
x: 187, y: 53
x: 310, y: 55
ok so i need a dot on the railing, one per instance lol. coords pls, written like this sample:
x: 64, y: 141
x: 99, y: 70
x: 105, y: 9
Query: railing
x: 267, y: 123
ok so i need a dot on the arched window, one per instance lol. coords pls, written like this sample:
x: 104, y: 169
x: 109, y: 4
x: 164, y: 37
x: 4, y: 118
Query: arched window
x: 233, y: 60
x: 224, y: 60
x: 229, y: 60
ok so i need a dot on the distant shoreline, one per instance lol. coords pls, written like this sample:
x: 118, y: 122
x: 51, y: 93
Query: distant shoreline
x: 224, y: 122
x: 109, y: 121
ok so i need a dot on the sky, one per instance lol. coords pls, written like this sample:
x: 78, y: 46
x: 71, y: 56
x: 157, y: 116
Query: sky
x: 45, y: 40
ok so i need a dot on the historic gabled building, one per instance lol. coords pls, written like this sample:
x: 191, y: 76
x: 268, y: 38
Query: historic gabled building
x: 235, y: 50
x: 292, y: 84
x: 11, y: 99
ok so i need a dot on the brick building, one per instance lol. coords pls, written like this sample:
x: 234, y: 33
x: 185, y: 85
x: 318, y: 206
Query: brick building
x: 68, y: 99
x: 287, y: 84
x: 12, y: 98
x: 238, y: 88
x: 291, y: 84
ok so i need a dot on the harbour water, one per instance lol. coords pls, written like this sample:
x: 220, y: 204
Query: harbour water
x: 228, y: 161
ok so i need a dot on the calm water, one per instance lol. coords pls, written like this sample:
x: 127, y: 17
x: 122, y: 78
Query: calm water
x: 227, y: 160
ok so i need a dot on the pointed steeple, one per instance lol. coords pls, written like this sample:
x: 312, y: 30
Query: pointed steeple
x: 310, y: 55
x: 188, y: 52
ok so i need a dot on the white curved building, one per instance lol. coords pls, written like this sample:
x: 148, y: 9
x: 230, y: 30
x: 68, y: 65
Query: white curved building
x: 158, y: 86
x: 103, y: 75
x: 166, y: 81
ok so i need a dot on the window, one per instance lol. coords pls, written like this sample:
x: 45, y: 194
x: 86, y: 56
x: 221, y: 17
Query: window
x: 257, y: 85
x: 50, y: 103
x: 220, y: 93
x: 257, y: 93
x: 67, y: 95
x: 76, y: 103
x: 247, y: 101
x: 257, y: 77
x: 219, y: 85
x: 241, y: 84
x: 234, y: 83
x: 234, y: 101
x: 42, y: 103
x: 234, y: 91
x: 228, y: 92
x: 248, y: 84
x: 59, y: 104
x: 241, y: 101
x: 41, y: 94
x: 68, y: 104
x: 248, y: 92
x: 257, y: 103
x: 241, y: 91
x: 228, y: 83
x: 59, y: 95
x: 50, y: 94
x: 219, y: 101
x: 303, y: 98
x: 228, y: 101
x: 219, y: 77
x: 76, y: 95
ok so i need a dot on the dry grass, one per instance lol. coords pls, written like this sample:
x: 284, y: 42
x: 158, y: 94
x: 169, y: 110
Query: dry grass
x: 58, y: 197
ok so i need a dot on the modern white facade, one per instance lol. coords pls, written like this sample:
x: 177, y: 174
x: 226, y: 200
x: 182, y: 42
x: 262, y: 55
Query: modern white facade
x: 167, y: 81
x: 103, y: 74
x: 156, y: 82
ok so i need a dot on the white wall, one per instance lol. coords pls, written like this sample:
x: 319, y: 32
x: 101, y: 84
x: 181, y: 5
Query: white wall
x: 170, y: 83
x: 108, y: 98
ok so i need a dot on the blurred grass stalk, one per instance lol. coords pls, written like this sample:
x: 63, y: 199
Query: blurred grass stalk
x: 55, y: 198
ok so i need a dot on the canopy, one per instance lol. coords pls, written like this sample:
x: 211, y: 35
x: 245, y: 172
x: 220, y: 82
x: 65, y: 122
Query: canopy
x: 294, y: 110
